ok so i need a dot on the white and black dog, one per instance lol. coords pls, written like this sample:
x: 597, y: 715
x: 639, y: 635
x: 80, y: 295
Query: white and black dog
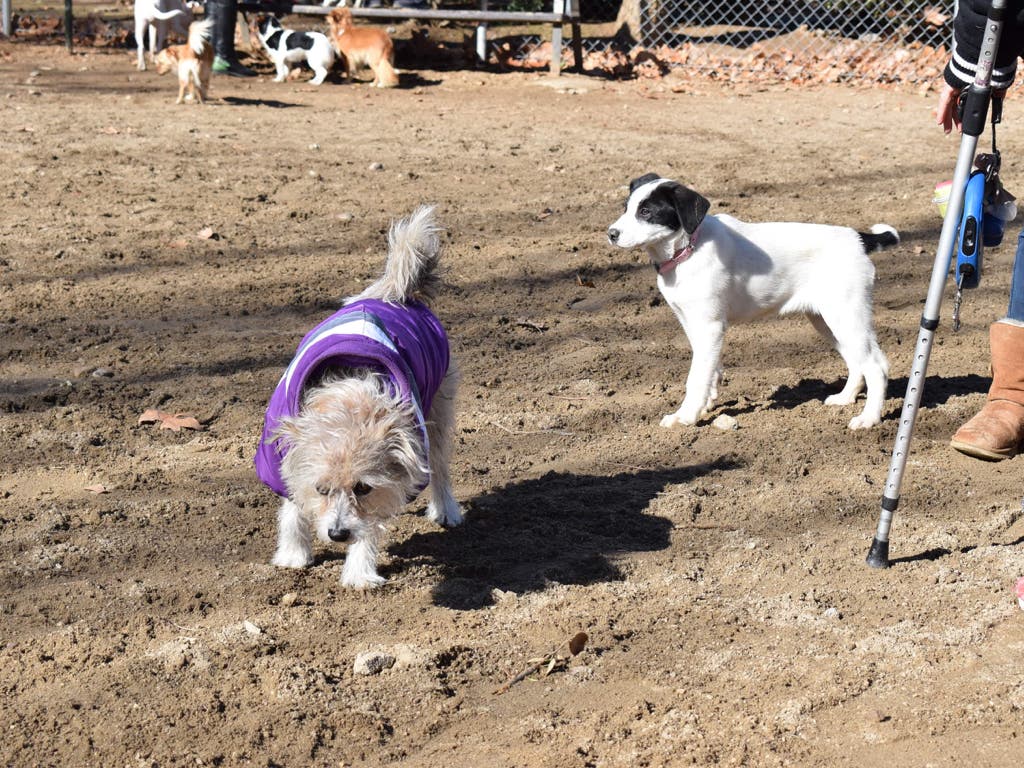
x: 286, y: 46
x: 717, y: 270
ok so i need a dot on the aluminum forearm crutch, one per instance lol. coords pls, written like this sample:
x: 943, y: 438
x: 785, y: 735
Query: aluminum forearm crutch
x: 975, y: 111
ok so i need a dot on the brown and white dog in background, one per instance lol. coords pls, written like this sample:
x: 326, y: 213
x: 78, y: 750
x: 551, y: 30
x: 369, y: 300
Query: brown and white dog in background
x: 194, y: 61
x: 363, y: 47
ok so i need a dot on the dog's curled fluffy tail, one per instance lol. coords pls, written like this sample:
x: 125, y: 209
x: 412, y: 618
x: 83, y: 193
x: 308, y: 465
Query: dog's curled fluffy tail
x: 881, y: 236
x: 199, y: 33
x: 414, y: 249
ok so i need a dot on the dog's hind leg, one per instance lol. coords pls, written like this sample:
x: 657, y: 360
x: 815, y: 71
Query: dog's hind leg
x: 140, y: 42
x: 198, y: 94
x: 320, y: 75
x: 855, y: 341
x: 443, y: 508
x: 294, y: 539
x: 876, y: 372
x: 855, y: 378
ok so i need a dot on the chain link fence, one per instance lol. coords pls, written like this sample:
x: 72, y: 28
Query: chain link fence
x: 807, y: 40
x: 774, y: 39
x: 736, y: 23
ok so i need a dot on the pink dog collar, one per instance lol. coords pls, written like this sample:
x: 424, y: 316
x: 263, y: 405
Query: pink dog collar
x: 679, y: 256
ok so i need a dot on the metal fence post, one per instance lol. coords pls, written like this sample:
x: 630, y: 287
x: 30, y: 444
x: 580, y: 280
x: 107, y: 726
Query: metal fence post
x: 573, y: 7
x: 556, y: 39
x: 69, y: 23
x: 481, y: 36
x: 7, y: 17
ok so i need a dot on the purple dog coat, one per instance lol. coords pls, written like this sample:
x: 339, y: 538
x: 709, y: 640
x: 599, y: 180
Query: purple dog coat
x: 404, y: 342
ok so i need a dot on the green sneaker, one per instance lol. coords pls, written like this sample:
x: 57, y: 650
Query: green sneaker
x: 222, y: 66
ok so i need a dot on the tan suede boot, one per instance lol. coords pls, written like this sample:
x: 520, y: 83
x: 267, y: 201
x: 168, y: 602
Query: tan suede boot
x: 997, y: 431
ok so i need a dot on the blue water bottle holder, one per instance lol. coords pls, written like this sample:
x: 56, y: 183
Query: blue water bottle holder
x: 980, y: 228
x: 970, y: 244
x: 977, y: 230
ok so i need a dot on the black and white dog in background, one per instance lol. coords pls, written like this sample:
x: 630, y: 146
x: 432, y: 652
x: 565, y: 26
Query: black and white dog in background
x: 286, y: 46
x: 717, y: 270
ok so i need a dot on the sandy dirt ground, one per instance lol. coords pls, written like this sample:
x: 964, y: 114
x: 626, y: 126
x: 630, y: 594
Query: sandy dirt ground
x: 163, y: 256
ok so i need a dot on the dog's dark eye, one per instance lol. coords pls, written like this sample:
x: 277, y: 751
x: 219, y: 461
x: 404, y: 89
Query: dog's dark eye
x: 323, y: 490
x: 361, y: 489
x: 643, y: 213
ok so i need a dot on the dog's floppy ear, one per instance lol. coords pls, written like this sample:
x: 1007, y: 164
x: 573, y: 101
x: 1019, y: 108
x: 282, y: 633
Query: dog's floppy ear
x: 645, y: 179
x: 691, y: 207
x: 286, y: 433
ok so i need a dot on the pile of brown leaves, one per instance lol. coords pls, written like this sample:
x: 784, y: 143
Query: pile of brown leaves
x: 90, y: 31
x: 856, y: 62
x: 847, y: 61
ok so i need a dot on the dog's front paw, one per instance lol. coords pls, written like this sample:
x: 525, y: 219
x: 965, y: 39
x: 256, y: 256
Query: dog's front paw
x: 864, y: 421
x: 291, y: 558
x: 362, y: 580
x: 679, y: 419
x: 840, y: 398
x: 448, y: 514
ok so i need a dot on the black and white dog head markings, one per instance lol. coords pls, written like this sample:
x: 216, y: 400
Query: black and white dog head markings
x: 716, y: 270
x: 286, y: 46
x: 658, y: 209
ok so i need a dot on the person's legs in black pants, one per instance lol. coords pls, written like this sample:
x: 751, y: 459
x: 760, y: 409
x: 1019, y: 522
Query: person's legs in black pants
x: 225, y: 62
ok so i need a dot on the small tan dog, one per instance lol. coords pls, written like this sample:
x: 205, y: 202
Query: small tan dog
x: 194, y: 61
x: 363, y: 47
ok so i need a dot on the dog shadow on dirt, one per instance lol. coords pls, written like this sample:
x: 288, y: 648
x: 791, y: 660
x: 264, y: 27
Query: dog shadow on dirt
x: 937, y: 390
x: 560, y: 528
x: 242, y: 101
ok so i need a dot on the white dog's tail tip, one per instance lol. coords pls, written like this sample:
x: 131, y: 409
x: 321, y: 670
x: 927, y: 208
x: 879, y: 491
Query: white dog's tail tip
x: 880, y: 237
x: 414, y: 250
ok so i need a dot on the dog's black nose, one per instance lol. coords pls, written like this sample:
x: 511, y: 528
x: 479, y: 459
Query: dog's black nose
x: 338, y: 534
x: 613, y: 235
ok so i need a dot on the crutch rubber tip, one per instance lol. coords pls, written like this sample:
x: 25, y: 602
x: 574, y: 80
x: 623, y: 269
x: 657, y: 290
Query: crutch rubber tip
x: 878, y: 555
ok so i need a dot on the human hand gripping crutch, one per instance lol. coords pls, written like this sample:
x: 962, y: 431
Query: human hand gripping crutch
x: 975, y: 111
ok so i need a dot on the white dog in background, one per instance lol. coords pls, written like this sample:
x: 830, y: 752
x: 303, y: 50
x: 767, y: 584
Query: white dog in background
x: 717, y: 270
x: 160, y: 17
x: 363, y: 417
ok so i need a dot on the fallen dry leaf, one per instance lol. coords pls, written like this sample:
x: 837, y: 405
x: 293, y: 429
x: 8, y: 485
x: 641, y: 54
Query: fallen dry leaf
x: 97, y: 489
x: 174, y: 422
x: 935, y: 16
x: 110, y: 131
x: 206, y: 233
x: 584, y: 282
